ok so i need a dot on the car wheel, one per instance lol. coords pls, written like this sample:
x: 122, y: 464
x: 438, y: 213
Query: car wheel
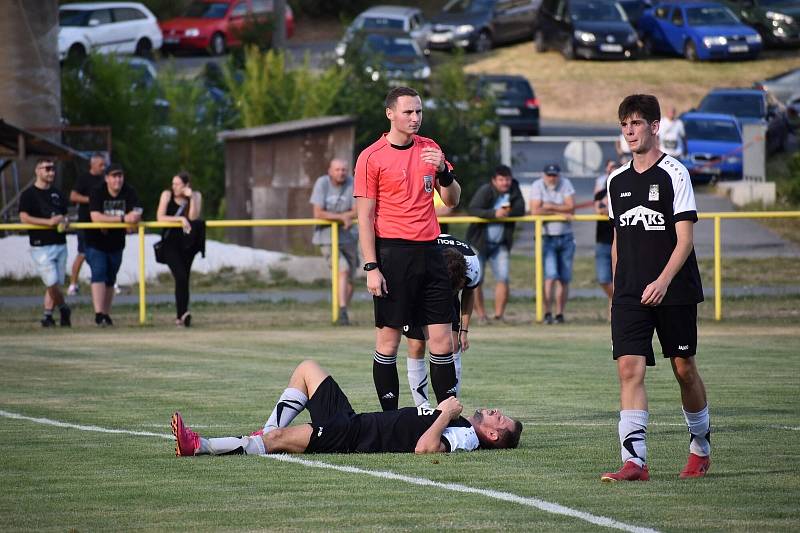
x: 144, y: 48
x: 217, y: 46
x: 690, y: 50
x: 484, y: 42
x: 76, y: 54
x: 538, y: 39
x: 568, y: 51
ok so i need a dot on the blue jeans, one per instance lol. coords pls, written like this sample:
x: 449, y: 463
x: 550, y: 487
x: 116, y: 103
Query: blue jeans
x: 497, y: 255
x: 559, y: 251
x: 104, y: 265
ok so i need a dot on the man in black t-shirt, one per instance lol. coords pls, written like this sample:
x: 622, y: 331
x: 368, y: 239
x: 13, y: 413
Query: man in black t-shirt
x: 112, y: 201
x: 336, y: 428
x: 80, y: 195
x: 656, y: 287
x: 45, y: 205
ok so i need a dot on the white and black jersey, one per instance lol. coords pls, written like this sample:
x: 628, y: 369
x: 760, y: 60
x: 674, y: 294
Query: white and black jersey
x: 445, y: 241
x: 644, y: 209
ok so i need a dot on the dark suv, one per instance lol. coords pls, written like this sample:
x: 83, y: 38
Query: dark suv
x: 515, y: 103
x: 778, y: 21
x: 592, y: 29
x: 479, y: 25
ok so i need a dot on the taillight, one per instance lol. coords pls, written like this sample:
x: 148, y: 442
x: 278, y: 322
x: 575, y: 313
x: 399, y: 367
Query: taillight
x: 532, y: 103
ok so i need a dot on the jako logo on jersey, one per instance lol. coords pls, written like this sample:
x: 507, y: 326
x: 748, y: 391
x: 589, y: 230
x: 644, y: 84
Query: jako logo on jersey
x: 683, y: 347
x: 428, y: 184
x: 624, y: 194
x: 651, y: 220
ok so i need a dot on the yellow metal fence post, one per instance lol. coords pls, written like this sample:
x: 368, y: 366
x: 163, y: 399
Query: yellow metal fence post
x: 537, y: 258
x: 717, y: 269
x: 142, y: 293
x: 334, y: 272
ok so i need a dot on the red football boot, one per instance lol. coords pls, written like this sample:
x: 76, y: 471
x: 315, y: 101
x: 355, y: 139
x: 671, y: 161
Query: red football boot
x: 696, y: 466
x: 630, y: 471
x: 187, y: 442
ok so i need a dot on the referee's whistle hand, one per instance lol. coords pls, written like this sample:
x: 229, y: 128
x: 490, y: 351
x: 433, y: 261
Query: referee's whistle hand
x: 376, y: 283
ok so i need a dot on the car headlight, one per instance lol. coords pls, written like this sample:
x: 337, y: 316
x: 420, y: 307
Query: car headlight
x: 753, y: 39
x: 422, y: 73
x: 632, y: 38
x: 375, y: 75
x: 716, y: 40
x: 779, y: 17
x: 733, y: 160
x: 341, y: 48
x: 585, y: 36
x: 192, y: 32
x: 464, y: 29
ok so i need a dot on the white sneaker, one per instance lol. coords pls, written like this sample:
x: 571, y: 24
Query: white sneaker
x: 117, y: 289
x: 74, y: 289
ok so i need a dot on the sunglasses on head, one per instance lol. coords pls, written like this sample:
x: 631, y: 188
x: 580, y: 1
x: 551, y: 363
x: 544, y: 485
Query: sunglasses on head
x: 48, y: 168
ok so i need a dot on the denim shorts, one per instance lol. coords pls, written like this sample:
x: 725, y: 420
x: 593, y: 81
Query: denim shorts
x: 602, y: 262
x: 104, y: 265
x: 51, y: 263
x: 497, y: 255
x: 558, y: 253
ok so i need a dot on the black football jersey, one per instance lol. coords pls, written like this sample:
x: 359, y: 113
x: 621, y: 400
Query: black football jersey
x: 473, y: 264
x: 644, y: 209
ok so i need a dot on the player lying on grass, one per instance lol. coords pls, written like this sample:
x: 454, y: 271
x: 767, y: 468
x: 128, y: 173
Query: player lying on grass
x: 336, y: 428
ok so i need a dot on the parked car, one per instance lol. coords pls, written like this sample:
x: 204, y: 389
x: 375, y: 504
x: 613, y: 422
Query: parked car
x: 793, y: 112
x: 398, y: 18
x: 634, y: 9
x: 591, y: 29
x: 713, y: 147
x: 106, y: 27
x: 751, y: 106
x: 783, y: 86
x: 778, y: 21
x: 515, y: 103
x: 698, y: 31
x: 478, y: 25
x: 215, y: 25
x: 393, y: 55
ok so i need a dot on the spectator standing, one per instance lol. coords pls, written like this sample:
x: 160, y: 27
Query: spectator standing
x: 671, y: 134
x: 180, y: 204
x: 500, y: 198
x: 554, y: 195
x: 406, y: 274
x: 45, y: 205
x: 656, y: 288
x: 112, y: 201
x: 80, y: 195
x: 604, y: 234
x: 332, y: 198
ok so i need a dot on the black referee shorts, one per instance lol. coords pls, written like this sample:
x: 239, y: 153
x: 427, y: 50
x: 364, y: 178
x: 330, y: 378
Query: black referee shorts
x: 331, y: 419
x: 419, y: 288
x: 632, y: 329
x: 415, y: 332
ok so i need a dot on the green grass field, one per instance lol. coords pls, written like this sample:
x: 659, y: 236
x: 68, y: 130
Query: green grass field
x: 559, y: 381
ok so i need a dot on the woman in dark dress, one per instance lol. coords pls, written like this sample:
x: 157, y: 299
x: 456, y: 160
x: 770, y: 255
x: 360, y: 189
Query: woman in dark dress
x: 180, y: 204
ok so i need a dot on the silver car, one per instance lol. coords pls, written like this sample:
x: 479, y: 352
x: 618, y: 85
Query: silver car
x: 405, y: 19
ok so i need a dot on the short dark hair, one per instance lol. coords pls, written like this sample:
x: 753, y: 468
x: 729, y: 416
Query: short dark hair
x: 507, y: 439
x: 456, y: 268
x: 644, y: 105
x: 397, y: 92
x: 184, y: 176
x: 44, y: 159
x: 97, y: 155
x: 502, y: 170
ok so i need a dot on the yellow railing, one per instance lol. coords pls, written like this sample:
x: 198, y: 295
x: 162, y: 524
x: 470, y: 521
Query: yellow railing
x: 538, y: 220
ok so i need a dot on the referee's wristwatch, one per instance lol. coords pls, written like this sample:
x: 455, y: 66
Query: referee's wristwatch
x: 370, y: 266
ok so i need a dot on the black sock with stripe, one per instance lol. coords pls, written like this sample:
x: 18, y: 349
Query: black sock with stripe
x: 443, y: 375
x: 387, y: 384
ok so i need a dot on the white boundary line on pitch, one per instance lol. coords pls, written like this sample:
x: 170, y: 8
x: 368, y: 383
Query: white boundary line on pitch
x: 542, y: 505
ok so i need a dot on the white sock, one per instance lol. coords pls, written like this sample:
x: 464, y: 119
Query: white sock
x: 700, y: 430
x: 232, y: 446
x: 457, y: 362
x: 632, y: 434
x: 418, y: 381
x: 289, y: 405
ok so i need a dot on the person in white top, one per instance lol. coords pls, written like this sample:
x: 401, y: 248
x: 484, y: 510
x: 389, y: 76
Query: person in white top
x: 671, y: 134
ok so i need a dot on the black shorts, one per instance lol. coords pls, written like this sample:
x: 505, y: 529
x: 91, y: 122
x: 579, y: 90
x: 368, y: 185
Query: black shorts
x: 419, y: 287
x: 632, y: 330
x: 415, y: 332
x: 81, y: 234
x: 331, y: 419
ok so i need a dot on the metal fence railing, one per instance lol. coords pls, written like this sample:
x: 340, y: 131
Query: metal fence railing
x: 537, y: 220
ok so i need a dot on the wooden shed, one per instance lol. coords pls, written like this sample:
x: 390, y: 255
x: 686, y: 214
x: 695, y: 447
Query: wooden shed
x: 270, y: 171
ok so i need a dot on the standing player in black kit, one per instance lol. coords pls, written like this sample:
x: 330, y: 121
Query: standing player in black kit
x: 656, y: 287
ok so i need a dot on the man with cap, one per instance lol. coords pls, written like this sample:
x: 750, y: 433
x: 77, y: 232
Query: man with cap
x: 553, y: 195
x: 112, y: 201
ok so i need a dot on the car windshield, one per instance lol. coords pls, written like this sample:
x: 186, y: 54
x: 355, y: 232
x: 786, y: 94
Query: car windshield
x: 206, y: 10
x: 381, y: 23
x: 73, y: 17
x: 711, y: 16
x: 740, y: 105
x: 468, y: 6
x: 507, y: 89
x: 597, y: 11
x: 390, y: 46
x: 712, y: 130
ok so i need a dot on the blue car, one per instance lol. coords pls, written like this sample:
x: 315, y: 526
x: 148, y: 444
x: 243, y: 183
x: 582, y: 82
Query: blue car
x: 698, y: 31
x: 713, y: 147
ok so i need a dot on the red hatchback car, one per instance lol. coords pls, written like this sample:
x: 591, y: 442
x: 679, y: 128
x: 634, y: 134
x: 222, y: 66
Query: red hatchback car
x: 214, y: 25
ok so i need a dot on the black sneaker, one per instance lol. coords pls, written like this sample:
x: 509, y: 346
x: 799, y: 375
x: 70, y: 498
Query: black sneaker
x: 344, y: 320
x: 559, y: 319
x: 48, y: 322
x: 66, y: 314
x: 98, y: 320
x: 107, y: 321
x: 548, y: 319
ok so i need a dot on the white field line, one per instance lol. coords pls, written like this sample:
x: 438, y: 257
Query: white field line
x: 542, y: 505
